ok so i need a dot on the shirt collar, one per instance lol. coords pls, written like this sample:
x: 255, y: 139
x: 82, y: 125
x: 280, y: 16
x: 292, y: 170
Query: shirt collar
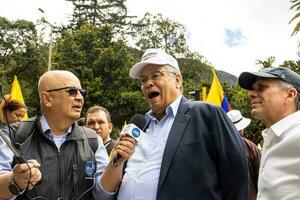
x: 170, y: 110
x: 282, y: 125
x: 46, y: 128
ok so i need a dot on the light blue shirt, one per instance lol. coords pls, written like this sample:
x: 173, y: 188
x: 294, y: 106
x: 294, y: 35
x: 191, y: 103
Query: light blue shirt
x: 6, y: 155
x: 143, y: 168
x: 102, y: 160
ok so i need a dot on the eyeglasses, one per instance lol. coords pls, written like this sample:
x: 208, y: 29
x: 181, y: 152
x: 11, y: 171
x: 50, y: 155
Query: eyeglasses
x: 156, y: 76
x: 73, y: 91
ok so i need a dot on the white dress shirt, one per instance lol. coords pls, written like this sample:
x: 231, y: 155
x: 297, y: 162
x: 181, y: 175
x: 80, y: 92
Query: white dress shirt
x: 279, y: 174
x: 143, y: 168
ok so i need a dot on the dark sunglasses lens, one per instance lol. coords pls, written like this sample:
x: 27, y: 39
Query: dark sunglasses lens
x: 83, y: 93
x: 72, y: 92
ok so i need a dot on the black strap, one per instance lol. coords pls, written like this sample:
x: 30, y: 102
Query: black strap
x: 24, y: 130
x: 92, y: 138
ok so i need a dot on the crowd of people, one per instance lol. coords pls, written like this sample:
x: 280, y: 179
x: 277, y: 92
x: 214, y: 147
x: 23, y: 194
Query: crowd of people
x: 189, y: 150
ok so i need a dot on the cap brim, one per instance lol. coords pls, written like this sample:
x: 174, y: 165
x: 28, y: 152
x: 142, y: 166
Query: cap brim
x: 243, y: 124
x: 247, y: 79
x: 136, y: 70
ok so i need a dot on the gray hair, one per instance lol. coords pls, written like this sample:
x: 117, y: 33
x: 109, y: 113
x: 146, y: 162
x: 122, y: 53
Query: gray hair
x: 176, y: 71
x: 285, y: 86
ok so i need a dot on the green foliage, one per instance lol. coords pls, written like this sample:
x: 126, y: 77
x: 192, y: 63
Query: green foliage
x: 99, y: 13
x: 268, y: 62
x: 296, y: 7
x: 102, y: 65
x: 20, y: 55
x: 293, y: 65
x: 156, y: 31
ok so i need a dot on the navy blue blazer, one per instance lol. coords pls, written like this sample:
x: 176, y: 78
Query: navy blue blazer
x: 204, y: 157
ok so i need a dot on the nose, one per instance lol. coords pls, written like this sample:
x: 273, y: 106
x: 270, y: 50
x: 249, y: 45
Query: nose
x: 96, y: 126
x: 79, y: 96
x: 252, y: 94
x: 148, y: 83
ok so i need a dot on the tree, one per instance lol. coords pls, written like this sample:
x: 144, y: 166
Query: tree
x: 156, y: 31
x: 99, y: 13
x: 268, y: 62
x: 103, y: 67
x: 296, y: 6
x: 293, y: 65
x: 20, y: 55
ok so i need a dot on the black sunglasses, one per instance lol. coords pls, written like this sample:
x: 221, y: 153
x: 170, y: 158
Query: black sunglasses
x: 73, y: 91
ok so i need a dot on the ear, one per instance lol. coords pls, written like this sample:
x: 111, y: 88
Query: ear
x: 178, y: 80
x: 110, y: 126
x: 292, y: 94
x: 45, y: 99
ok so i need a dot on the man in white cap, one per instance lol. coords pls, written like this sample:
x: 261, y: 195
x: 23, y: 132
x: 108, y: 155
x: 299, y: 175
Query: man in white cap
x: 274, y: 96
x: 190, y: 150
x: 253, y: 153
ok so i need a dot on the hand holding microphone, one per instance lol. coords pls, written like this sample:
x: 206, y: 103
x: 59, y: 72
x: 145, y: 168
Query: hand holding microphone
x: 129, y: 136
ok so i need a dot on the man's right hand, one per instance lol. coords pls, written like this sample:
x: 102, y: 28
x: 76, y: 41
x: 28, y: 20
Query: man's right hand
x: 22, y: 174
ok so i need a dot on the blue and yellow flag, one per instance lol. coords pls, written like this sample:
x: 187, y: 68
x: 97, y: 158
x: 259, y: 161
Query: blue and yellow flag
x: 16, y: 93
x: 216, y: 94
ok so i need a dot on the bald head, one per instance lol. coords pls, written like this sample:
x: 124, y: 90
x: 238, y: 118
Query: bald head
x: 55, y: 79
x: 60, y: 105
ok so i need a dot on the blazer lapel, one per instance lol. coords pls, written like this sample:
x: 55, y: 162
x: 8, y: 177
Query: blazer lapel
x: 176, y: 133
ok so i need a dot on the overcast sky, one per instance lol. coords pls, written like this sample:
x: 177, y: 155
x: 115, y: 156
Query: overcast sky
x: 231, y: 34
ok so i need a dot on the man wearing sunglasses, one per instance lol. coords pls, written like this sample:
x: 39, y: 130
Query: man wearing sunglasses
x: 60, y: 161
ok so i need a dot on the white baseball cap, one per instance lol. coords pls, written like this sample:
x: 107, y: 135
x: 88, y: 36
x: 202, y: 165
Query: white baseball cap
x: 156, y: 57
x: 238, y: 120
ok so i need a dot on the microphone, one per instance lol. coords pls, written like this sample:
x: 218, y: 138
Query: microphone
x: 135, y: 129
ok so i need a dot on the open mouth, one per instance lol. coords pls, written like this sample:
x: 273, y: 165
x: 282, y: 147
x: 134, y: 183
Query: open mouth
x: 153, y: 94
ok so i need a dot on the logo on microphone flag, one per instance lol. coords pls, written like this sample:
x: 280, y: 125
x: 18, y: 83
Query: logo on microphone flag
x: 16, y: 93
x: 133, y: 131
x: 216, y: 94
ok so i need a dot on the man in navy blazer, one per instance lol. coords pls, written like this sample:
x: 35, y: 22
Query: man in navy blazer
x: 190, y: 150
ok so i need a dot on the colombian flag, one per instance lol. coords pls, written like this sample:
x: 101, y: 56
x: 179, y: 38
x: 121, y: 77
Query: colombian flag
x: 216, y: 94
x: 16, y: 93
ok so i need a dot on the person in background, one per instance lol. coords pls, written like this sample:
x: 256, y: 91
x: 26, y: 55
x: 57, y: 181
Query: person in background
x: 274, y: 98
x: 81, y: 121
x: 253, y: 153
x: 60, y: 161
x: 98, y: 119
x: 190, y: 149
x: 11, y: 110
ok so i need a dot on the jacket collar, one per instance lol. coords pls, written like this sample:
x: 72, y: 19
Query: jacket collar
x: 176, y: 133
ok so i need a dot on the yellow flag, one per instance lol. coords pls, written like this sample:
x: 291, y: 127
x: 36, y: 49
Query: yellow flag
x: 16, y: 93
x: 204, y: 96
x: 216, y: 94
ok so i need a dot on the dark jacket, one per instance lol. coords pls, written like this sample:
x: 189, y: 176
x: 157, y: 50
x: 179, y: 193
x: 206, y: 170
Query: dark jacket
x: 66, y: 173
x: 204, y: 157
